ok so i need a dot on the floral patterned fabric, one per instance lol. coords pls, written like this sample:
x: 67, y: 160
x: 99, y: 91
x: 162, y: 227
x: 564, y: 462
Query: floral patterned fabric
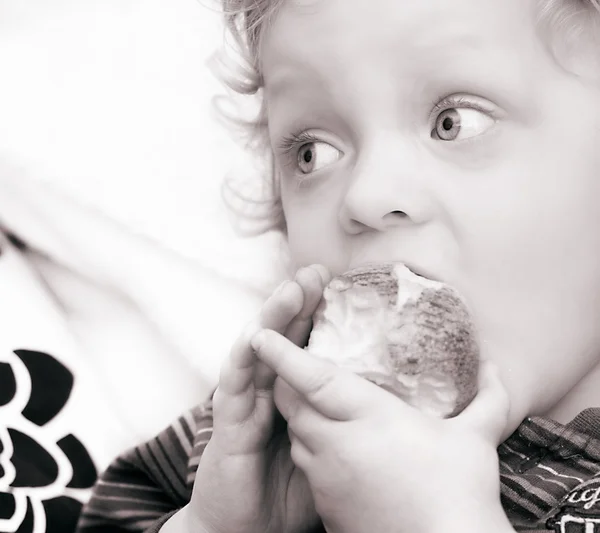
x: 55, y: 431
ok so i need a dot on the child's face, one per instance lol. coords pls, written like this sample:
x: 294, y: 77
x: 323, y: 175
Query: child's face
x: 443, y: 135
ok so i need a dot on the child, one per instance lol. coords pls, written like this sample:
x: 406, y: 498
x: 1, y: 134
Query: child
x: 460, y: 138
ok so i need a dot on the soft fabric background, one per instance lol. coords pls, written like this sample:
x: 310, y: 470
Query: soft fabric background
x: 134, y: 285
x: 111, y: 166
x: 110, y: 102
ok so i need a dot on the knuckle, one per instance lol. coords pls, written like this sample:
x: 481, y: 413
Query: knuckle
x: 320, y: 383
x: 239, y: 348
x: 264, y: 379
x: 294, y: 414
x: 217, y: 400
x: 288, y: 408
x: 298, y: 455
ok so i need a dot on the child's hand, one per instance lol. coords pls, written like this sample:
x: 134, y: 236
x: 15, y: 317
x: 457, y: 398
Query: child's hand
x: 246, y: 480
x: 376, y: 464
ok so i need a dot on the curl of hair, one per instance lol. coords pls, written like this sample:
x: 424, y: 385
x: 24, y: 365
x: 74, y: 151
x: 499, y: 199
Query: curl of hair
x: 572, y: 30
x: 237, y: 65
x: 568, y: 25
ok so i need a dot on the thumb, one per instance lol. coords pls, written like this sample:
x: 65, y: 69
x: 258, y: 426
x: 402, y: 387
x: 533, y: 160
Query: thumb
x: 489, y: 410
x: 334, y: 392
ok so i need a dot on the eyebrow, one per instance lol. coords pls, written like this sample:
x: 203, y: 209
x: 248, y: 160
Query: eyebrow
x: 289, y: 76
x: 459, y: 42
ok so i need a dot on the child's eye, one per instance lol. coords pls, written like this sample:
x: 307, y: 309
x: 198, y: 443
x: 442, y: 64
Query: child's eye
x: 316, y: 155
x: 460, y: 123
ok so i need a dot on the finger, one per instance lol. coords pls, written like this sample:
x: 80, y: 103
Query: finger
x: 231, y: 410
x: 300, y: 453
x: 312, y: 280
x: 281, y: 307
x: 303, y: 420
x: 234, y: 400
x: 334, y: 392
x: 300, y: 416
x: 323, y: 272
x: 489, y: 410
x: 286, y: 399
x: 237, y: 370
x: 275, y: 314
x: 242, y: 374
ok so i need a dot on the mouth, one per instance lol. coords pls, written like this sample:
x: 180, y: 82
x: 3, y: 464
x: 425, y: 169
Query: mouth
x: 416, y: 270
x: 422, y: 273
x: 419, y: 276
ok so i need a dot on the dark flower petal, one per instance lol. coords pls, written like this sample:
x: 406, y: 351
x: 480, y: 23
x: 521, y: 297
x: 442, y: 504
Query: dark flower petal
x: 27, y: 523
x: 2, y: 471
x: 51, y: 385
x: 35, y: 467
x: 84, y: 470
x: 8, y: 384
x: 62, y: 514
x: 8, y: 506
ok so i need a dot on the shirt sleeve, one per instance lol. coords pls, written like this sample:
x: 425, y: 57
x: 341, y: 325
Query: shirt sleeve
x: 146, y: 485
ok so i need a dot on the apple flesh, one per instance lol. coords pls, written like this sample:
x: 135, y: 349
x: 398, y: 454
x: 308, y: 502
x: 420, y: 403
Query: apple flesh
x: 410, y: 335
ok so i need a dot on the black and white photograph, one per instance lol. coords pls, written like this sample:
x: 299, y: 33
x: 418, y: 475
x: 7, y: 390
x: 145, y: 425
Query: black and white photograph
x: 299, y: 266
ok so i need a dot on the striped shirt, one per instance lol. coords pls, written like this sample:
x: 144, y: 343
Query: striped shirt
x: 550, y: 477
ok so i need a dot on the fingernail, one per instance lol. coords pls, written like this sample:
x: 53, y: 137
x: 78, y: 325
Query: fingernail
x: 323, y: 272
x: 282, y: 287
x: 257, y: 341
x: 300, y: 272
x: 312, y: 274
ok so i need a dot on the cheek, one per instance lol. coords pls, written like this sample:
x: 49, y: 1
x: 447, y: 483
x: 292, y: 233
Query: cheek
x: 532, y: 274
x: 313, y: 232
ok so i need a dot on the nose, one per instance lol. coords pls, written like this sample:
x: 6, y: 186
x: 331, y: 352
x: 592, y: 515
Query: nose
x: 387, y: 189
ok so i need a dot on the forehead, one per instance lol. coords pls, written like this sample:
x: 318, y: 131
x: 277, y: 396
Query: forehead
x: 391, y: 30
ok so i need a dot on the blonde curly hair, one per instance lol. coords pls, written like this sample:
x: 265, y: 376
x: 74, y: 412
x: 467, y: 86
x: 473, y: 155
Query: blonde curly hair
x: 564, y: 25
